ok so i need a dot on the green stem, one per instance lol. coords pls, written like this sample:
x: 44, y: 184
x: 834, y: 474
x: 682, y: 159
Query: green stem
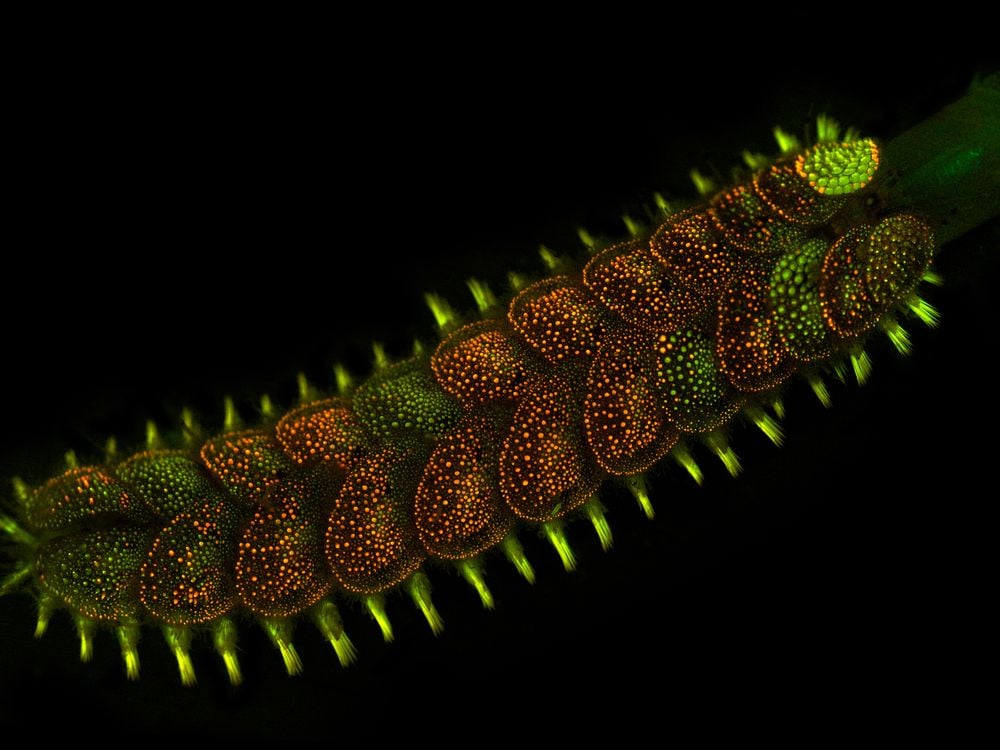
x: 948, y: 166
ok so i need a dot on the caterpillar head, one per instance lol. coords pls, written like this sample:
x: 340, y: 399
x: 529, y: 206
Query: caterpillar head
x: 875, y: 263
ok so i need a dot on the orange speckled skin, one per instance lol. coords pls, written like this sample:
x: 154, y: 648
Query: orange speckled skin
x: 511, y: 421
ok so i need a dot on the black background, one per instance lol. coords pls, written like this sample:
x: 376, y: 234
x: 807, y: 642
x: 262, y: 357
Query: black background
x: 195, y: 233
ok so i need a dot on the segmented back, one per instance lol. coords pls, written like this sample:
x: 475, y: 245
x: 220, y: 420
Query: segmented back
x: 594, y: 373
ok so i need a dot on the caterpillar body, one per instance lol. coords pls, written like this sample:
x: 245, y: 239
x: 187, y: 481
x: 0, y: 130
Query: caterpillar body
x: 630, y: 461
x: 513, y: 422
